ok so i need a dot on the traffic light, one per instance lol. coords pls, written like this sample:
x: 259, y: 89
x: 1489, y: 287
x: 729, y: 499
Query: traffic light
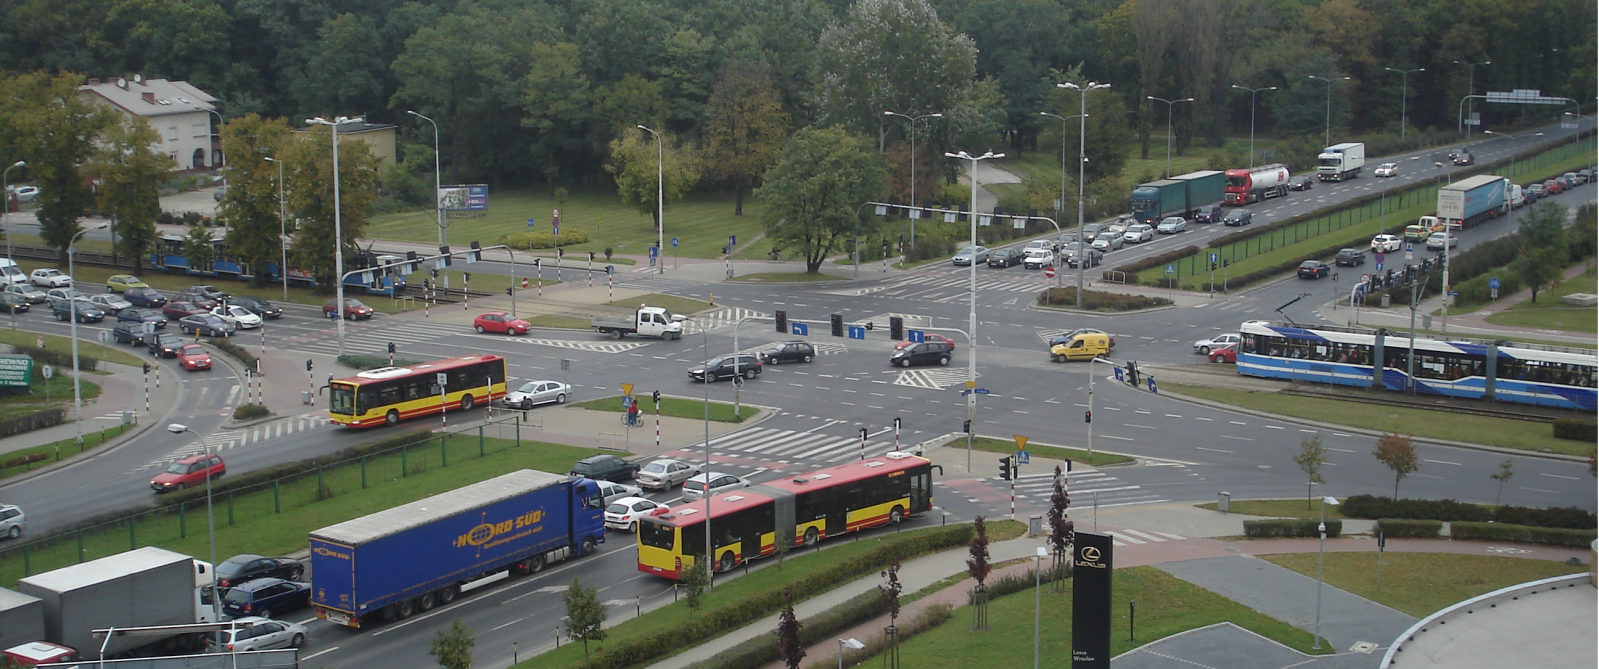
x: 1213, y: 267
x: 1004, y: 468
x: 838, y: 325
x: 1225, y: 262
x: 147, y: 368
x: 538, y: 262
x: 1088, y: 416
x: 782, y: 321
x: 656, y: 396
x: 391, y: 348
x: 896, y: 328
x: 444, y: 255
x: 591, y: 256
x: 966, y: 427
x: 508, y: 292
x: 308, y: 365
x: 1068, y: 465
x: 476, y: 254
x: 466, y: 277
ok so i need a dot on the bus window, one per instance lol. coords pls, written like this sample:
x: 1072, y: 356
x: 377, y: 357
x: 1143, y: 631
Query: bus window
x: 342, y: 399
x: 657, y: 535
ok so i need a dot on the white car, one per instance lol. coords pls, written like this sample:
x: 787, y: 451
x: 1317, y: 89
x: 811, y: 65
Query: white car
x: 1386, y: 244
x: 694, y: 488
x: 623, y: 514
x: 1386, y: 170
x: 534, y: 393
x: 262, y: 634
x: 1172, y: 225
x: 1438, y: 240
x: 664, y: 473
x: 1204, y: 346
x: 1039, y: 244
x: 240, y: 317
x: 26, y: 193
x: 110, y: 303
x: 613, y: 491
x: 50, y: 278
x: 12, y: 520
x: 1120, y: 226
x: 1138, y: 233
x: 1038, y: 259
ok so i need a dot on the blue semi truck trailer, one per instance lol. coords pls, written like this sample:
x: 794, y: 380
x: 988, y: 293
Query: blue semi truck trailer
x: 408, y: 559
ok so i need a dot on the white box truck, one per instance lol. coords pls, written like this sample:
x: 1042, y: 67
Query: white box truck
x: 1341, y: 162
x: 145, y: 587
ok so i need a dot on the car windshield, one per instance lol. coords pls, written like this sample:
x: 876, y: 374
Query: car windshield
x: 193, y: 350
x: 965, y: 251
x: 353, y: 304
x: 178, y: 468
x: 527, y: 387
x: 694, y: 484
x: 237, y: 596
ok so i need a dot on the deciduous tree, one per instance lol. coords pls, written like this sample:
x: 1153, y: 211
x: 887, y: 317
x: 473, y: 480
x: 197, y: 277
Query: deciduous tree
x: 1062, y: 531
x: 585, y: 614
x: 1397, y: 453
x: 1311, y: 456
x: 1502, y: 476
x: 310, y: 194
x: 788, y: 629
x: 250, y: 206
x: 452, y: 646
x: 695, y: 581
x: 978, y: 565
x: 130, y: 172
x: 813, y: 194
x: 642, y: 169
x: 1542, y: 253
x: 745, y: 126
x: 55, y: 129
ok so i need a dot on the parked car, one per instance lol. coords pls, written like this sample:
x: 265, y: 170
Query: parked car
x: 534, y: 393
x: 144, y: 297
x: 60, y: 295
x: 1238, y: 217
x: 928, y: 337
x: 1004, y: 258
x: 265, y: 596
x: 500, y: 322
x: 788, y: 351
x: 695, y: 487
x: 1301, y: 182
x: 1314, y: 269
x: 1533, y: 191
x: 12, y: 521
x: 1138, y: 233
x: 129, y: 332
x: 353, y: 309
x: 26, y: 193
x: 13, y: 303
x: 1386, y: 244
x: 1038, y: 259
x: 665, y: 473
x: 256, y: 633
x: 925, y: 353
x: 1210, y: 213
x: 1553, y: 187
x: 1172, y: 225
x: 1228, y: 354
x: 623, y: 514
x: 604, y: 468
x: 1204, y: 346
x: 165, y: 345
x: 1108, y: 241
x: 969, y: 255
x: 193, y: 357
x: 118, y: 283
x: 246, y: 567
x: 239, y: 317
x: 27, y: 291
x: 50, y: 278
x: 189, y: 472
x: 209, y: 324
x: 612, y: 491
x: 717, y: 369
x: 257, y: 306
x: 110, y: 303
x: 86, y: 311
x: 179, y: 310
x: 1438, y: 240
x: 1350, y: 257
x: 1386, y: 170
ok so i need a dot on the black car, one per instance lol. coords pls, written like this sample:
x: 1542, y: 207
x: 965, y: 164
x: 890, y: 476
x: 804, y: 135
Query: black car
x: 1238, y: 217
x: 1095, y: 256
x: 130, y: 332
x: 165, y: 345
x: 1350, y: 258
x: 209, y: 324
x: 145, y: 297
x: 1302, y: 182
x: 87, y: 313
x: 1005, y: 258
x: 1313, y: 269
x: 13, y: 303
x: 1210, y: 213
x: 137, y: 315
x: 717, y: 369
x: 604, y: 468
x: 241, y: 569
x: 1464, y: 158
x: 259, y: 307
x: 266, y: 596
x: 198, y: 295
x: 925, y: 353
x: 789, y: 351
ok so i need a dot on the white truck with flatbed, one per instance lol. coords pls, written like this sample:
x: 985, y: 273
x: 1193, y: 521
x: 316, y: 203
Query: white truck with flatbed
x: 646, y: 321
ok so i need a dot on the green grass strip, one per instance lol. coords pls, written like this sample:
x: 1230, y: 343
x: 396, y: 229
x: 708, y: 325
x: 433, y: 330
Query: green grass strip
x: 673, y: 407
x: 1278, y: 508
x: 57, y: 450
x: 1038, y: 451
x: 1421, y: 584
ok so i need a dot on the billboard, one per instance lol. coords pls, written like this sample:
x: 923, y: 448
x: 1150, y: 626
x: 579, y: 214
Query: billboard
x: 1091, y: 574
x: 471, y: 197
x: 15, y: 370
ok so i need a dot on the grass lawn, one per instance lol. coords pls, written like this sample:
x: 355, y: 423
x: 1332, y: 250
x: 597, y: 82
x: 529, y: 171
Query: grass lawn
x: 1039, y: 451
x: 787, y: 277
x: 1278, y: 508
x: 564, y: 322
x: 1166, y: 606
x: 86, y: 348
x: 671, y: 303
x: 1517, y: 434
x: 60, y: 449
x: 1421, y: 584
x: 1550, y: 314
x: 673, y: 407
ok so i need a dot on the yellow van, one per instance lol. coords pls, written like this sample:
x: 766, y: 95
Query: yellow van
x: 1082, y: 347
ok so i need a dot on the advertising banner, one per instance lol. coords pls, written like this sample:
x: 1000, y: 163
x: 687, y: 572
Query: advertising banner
x: 1091, y: 572
x: 472, y: 197
x: 15, y: 370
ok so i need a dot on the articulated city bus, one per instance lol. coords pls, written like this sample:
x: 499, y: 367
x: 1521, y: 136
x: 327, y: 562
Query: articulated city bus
x: 388, y: 395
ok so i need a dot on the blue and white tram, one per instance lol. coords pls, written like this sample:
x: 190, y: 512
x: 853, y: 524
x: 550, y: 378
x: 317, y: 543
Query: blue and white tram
x: 1523, y: 373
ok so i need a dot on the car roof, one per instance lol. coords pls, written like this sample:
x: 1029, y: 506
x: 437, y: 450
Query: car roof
x: 257, y: 583
x: 630, y: 499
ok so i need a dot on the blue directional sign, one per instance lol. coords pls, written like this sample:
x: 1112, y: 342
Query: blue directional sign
x: 674, y: 242
x: 916, y: 336
x: 1214, y: 256
x: 1379, y: 265
x: 732, y: 241
x: 857, y: 332
x: 654, y: 251
x: 1493, y: 283
x: 1152, y: 385
x: 980, y: 391
x: 530, y: 222
x: 801, y: 329
x: 1118, y: 371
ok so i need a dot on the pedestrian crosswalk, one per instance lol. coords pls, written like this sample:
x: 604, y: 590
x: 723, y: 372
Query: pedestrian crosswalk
x: 784, y: 446
x: 932, y: 283
x: 578, y: 344
x: 911, y: 321
x: 1086, y: 489
x: 375, y: 336
x: 224, y: 440
x: 932, y: 379
x: 724, y: 316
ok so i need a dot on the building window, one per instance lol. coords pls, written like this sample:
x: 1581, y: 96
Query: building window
x: 202, y: 129
x: 172, y: 133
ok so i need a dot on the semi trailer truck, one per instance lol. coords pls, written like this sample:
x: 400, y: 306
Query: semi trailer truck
x: 1464, y: 204
x: 1177, y: 196
x: 1255, y: 184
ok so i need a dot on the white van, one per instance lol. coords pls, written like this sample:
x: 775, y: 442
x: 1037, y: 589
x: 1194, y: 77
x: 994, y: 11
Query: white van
x: 10, y: 273
x: 1517, y: 197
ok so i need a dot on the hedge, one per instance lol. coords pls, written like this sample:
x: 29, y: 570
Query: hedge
x: 1576, y: 430
x: 1367, y: 506
x: 234, y: 350
x: 1098, y: 300
x: 1289, y: 527
x: 1153, y: 261
x: 762, y: 650
x: 1012, y: 583
x: 248, y: 411
x: 523, y: 241
x: 45, y: 356
x: 33, y: 421
x: 1522, y: 534
x: 1565, y: 517
x: 1396, y: 527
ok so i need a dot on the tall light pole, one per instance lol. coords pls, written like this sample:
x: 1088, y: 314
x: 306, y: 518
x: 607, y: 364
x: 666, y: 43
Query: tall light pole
x: 1038, y: 598
x: 438, y: 184
x: 5, y: 218
x: 1321, y: 557
x: 1082, y: 163
x: 338, y: 219
x: 210, y: 519
x: 1404, y: 96
x: 1329, y: 82
x: 1252, y: 92
x: 218, y: 135
x: 971, y: 359
x: 1059, y: 208
x: 72, y: 309
x: 1471, y: 83
x: 283, y: 232
x: 660, y: 205
x: 1512, y: 173
x: 1169, y: 105
x: 913, y: 120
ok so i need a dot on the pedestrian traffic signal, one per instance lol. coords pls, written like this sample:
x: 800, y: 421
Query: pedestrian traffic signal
x: 1004, y: 468
x: 147, y: 368
x: 1068, y: 465
x: 782, y: 321
x: 966, y: 427
x: 656, y: 396
x: 508, y: 291
x: 308, y: 365
x: 896, y: 328
x: 1088, y: 416
x: 391, y: 348
x: 591, y: 256
x: 838, y: 325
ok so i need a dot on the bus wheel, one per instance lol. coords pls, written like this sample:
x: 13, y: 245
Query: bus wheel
x: 427, y: 602
x: 404, y: 609
x: 896, y: 515
x: 810, y: 536
x: 727, y: 561
x: 392, y: 417
x: 466, y: 402
x: 588, y: 546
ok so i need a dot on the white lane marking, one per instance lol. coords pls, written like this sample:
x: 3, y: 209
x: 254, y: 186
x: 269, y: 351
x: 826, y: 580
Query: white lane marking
x: 1208, y: 420
x: 1214, y: 450
x: 1238, y: 438
x: 320, y: 652
x: 1557, y: 476
x: 1141, y: 427
x: 1340, y: 450
x: 1273, y: 427
x: 1234, y: 422
x: 1443, y: 462
x: 1115, y: 437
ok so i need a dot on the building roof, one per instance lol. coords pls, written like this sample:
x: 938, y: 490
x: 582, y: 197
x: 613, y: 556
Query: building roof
x: 150, y: 97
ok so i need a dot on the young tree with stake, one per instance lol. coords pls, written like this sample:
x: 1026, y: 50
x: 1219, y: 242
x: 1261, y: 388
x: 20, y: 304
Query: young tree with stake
x: 585, y: 615
x: 1312, y: 455
x: 788, y: 628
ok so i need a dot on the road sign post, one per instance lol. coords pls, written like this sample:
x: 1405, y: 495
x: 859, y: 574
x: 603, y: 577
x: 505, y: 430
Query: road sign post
x: 444, y: 405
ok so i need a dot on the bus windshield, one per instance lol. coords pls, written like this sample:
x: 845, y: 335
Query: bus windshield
x: 342, y: 399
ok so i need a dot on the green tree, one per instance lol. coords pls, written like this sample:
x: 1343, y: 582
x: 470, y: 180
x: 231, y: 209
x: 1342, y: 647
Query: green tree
x: 978, y: 565
x: 178, y: 39
x: 789, y: 644
x: 343, y: 71
x: 1502, y: 476
x: 452, y: 646
x: 1542, y: 250
x: 250, y: 206
x: 638, y: 166
x: 695, y: 580
x: 50, y: 125
x: 198, y: 248
x: 745, y: 126
x: 556, y: 106
x: 1106, y: 126
x: 130, y: 172
x: 310, y: 194
x: 1311, y: 456
x: 813, y: 194
x: 585, y: 614
x: 1397, y: 453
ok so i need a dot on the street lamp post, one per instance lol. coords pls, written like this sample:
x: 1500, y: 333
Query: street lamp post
x: 1329, y: 82
x: 971, y: 359
x: 852, y: 643
x: 1252, y: 92
x: 1169, y: 105
x: 283, y: 232
x: 660, y: 203
x: 705, y: 354
x: 5, y: 218
x: 1082, y: 162
x: 1038, y: 598
x: 1512, y: 173
x: 338, y: 220
x: 913, y: 121
x: 72, y: 309
x: 210, y: 519
x: 438, y: 204
x: 1471, y: 85
x: 1321, y: 557
x: 1060, y: 208
x: 1404, y: 96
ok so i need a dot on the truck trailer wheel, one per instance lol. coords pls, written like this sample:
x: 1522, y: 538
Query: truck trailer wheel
x: 403, y: 610
x: 448, y: 595
x: 426, y: 602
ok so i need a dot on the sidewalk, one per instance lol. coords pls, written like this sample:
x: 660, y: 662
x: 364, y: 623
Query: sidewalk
x: 122, y: 389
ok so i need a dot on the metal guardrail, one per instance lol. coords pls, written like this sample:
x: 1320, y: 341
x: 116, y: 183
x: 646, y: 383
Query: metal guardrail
x: 260, y: 659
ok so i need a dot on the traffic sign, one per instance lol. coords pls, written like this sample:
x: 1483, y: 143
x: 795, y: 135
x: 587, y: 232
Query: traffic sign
x: 1379, y: 257
x: 1049, y: 272
x: 916, y: 336
x: 1379, y: 265
x: 801, y: 329
x: 611, y: 269
x: 857, y: 332
x: 654, y: 251
x: 1024, y: 458
x: 1171, y: 269
x: 1152, y: 385
x: 732, y: 241
x: 1365, y: 278
x: 1494, y: 283
x: 1021, y: 441
x: 627, y: 389
x: 1214, y: 257
x: 980, y: 391
x: 674, y: 242
x: 47, y: 371
x: 530, y: 222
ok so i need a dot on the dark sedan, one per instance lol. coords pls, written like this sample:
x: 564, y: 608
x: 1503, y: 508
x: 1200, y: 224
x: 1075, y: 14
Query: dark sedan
x: 179, y: 309
x: 1005, y: 258
x: 13, y: 303
x: 1314, y: 269
x: 208, y: 324
x: 789, y: 351
x: 716, y: 369
x: 1350, y: 257
x: 1303, y: 182
x: 142, y: 316
x: 166, y: 345
x: 259, y: 307
x: 247, y: 567
x: 264, y: 597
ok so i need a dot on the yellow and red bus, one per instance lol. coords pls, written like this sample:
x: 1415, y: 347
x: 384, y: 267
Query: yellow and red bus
x: 388, y: 395
x: 805, y: 509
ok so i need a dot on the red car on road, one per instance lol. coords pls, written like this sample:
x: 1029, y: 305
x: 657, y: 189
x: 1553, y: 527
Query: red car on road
x: 928, y: 337
x: 188, y: 472
x: 193, y: 357
x: 499, y: 322
x: 1227, y: 354
x: 353, y: 309
x: 175, y: 311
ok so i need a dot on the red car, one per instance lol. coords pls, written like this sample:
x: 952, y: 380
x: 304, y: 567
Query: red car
x: 1228, y: 354
x: 1554, y: 187
x: 928, y: 337
x: 353, y: 309
x: 499, y: 322
x: 175, y: 311
x: 193, y: 356
x: 190, y: 471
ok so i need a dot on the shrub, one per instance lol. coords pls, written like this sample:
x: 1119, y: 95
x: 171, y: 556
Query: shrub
x: 1010, y: 583
x: 29, y: 422
x: 24, y: 460
x: 63, y: 359
x: 1367, y: 506
x: 1155, y: 261
x: 370, y: 362
x: 1098, y: 300
x: 1524, y: 534
x: 1395, y: 527
x: 249, y: 411
x: 523, y: 241
x: 1568, y: 517
x: 233, y: 350
x: 1289, y: 527
x: 1577, y: 430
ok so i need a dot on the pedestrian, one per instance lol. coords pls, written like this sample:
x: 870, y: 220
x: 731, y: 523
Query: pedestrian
x: 919, y: 449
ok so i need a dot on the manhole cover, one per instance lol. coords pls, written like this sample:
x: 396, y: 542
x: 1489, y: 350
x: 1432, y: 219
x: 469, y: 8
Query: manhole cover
x: 1364, y: 647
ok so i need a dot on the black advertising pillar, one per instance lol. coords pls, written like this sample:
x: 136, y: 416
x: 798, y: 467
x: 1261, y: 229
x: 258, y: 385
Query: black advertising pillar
x: 1091, y: 572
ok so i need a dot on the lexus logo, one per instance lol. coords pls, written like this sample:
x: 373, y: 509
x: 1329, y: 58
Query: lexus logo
x: 1091, y: 554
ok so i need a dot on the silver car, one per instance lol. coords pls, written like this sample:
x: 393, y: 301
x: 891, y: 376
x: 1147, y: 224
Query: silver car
x: 61, y: 295
x: 29, y: 292
x: 260, y: 634
x: 613, y: 491
x: 664, y: 473
x: 12, y: 520
x: 110, y: 303
x: 694, y: 488
x: 970, y: 254
x: 534, y: 393
x: 1108, y: 241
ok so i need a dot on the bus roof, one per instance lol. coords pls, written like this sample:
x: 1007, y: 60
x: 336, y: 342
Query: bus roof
x: 384, y: 373
x: 691, y: 513
x: 854, y: 471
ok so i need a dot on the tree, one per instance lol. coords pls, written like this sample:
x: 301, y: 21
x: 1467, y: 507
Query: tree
x: 1062, y: 531
x: 813, y: 194
x: 1541, y: 252
x: 745, y: 126
x: 1106, y: 126
x: 585, y: 614
x: 310, y: 193
x: 250, y: 206
x: 890, y: 592
x: 1312, y: 455
x: 452, y: 646
x: 1399, y: 454
x: 556, y: 106
x: 55, y: 129
x: 199, y: 248
x: 694, y: 582
x: 1502, y: 476
x: 788, y: 638
x: 977, y: 565
x: 642, y: 169
x: 130, y: 172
